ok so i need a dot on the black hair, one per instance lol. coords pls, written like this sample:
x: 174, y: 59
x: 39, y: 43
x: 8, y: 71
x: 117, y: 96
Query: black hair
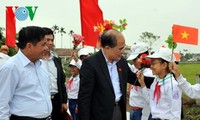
x: 109, y: 38
x: 30, y: 34
x: 162, y: 61
x: 48, y: 31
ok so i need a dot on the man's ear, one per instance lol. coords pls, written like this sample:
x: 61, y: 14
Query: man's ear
x: 29, y: 45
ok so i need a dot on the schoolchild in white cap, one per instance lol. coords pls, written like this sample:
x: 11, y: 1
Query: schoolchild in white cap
x: 191, y: 90
x: 73, y: 88
x: 139, y: 109
x: 82, y: 54
x: 164, y: 95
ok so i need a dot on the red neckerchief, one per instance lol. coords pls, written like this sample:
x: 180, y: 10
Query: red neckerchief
x: 69, y: 83
x: 157, y: 93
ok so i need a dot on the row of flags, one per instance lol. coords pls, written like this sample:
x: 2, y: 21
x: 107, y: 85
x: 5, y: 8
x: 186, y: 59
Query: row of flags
x: 91, y: 15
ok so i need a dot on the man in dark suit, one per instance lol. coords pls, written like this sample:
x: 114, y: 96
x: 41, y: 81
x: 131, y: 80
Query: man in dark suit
x: 57, y: 78
x: 103, y: 81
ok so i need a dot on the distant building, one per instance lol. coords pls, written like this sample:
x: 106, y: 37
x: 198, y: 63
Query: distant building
x: 63, y: 53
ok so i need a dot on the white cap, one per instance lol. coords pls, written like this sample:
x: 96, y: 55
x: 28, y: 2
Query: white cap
x: 137, y: 49
x: 83, y: 51
x: 164, y: 53
x: 73, y: 63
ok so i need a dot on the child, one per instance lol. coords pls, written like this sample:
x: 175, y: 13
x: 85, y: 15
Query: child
x: 82, y: 54
x: 190, y: 90
x: 139, y: 108
x: 164, y: 94
x: 73, y: 88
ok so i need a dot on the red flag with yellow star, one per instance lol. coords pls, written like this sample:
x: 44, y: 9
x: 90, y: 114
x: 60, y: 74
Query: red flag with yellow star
x: 183, y: 34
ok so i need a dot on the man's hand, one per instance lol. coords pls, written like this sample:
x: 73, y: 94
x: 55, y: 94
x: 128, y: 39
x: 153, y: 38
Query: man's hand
x: 64, y: 107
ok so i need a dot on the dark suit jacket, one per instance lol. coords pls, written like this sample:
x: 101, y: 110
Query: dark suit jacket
x: 96, y: 97
x: 60, y: 81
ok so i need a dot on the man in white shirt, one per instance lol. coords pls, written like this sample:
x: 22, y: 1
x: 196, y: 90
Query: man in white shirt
x: 24, y: 83
x: 56, y: 78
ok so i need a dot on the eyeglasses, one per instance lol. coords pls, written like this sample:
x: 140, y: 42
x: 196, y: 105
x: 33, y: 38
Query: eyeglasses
x: 154, y: 63
x: 122, y: 49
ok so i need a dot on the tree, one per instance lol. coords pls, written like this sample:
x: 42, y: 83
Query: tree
x: 70, y: 33
x: 55, y: 29
x: 62, y: 31
x: 2, y: 38
x: 149, y: 38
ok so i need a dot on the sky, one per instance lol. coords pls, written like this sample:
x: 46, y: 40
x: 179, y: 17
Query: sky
x: 155, y: 16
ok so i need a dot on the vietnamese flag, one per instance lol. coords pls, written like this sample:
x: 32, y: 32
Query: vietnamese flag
x: 91, y: 14
x: 10, y: 27
x: 183, y: 34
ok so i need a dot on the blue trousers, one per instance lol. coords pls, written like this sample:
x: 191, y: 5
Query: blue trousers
x: 72, y: 107
x: 137, y: 115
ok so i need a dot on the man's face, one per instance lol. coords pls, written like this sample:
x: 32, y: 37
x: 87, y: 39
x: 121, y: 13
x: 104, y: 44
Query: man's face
x: 116, y: 53
x: 37, y: 51
x: 50, y: 41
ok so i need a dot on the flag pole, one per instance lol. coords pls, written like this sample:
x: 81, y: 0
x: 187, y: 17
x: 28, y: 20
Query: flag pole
x: 172, y: 60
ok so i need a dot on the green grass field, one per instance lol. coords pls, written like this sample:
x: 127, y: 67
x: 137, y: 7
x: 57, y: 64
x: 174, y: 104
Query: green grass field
x: 189, y: 71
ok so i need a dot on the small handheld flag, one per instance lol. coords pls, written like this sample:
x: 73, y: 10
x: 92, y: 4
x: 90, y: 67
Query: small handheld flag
x: 183, y: 34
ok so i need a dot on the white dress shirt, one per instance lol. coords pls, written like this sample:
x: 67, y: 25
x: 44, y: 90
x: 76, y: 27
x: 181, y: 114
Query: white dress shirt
x: 52, y: 70
x: 73, y: 92
x: 24, y: 88
x: 169, y: 104
x: 114, y: 76
x: 192, y: 91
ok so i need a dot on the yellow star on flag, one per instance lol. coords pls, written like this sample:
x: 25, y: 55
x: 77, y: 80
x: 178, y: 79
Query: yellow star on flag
x: 184, y: 35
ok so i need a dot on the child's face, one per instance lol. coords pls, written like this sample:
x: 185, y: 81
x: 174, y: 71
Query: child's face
x: 137, y: 62
x: 158, y: 68
x: 74, y: 70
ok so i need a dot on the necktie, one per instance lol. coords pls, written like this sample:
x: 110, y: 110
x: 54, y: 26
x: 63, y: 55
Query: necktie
x: 69, y: 84
x: 157, y: 93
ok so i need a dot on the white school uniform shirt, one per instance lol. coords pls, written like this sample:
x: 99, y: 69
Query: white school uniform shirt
x: 169, y: 104
x: 73, y: 92
x: 137, y: 99
x: 192, y: 91
x: 3, y: 58
x: 24, y: 88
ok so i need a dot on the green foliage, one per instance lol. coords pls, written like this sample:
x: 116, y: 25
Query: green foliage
x: 66, y: 68
x: 123, y: 25
x: 171, y: 44
x: 11, y: 51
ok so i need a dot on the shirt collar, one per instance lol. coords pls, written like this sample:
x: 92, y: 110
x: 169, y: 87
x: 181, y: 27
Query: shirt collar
x: 164, y: 80
x: 114, y: 62
x: 76, y: 77
x: 25, y: 60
